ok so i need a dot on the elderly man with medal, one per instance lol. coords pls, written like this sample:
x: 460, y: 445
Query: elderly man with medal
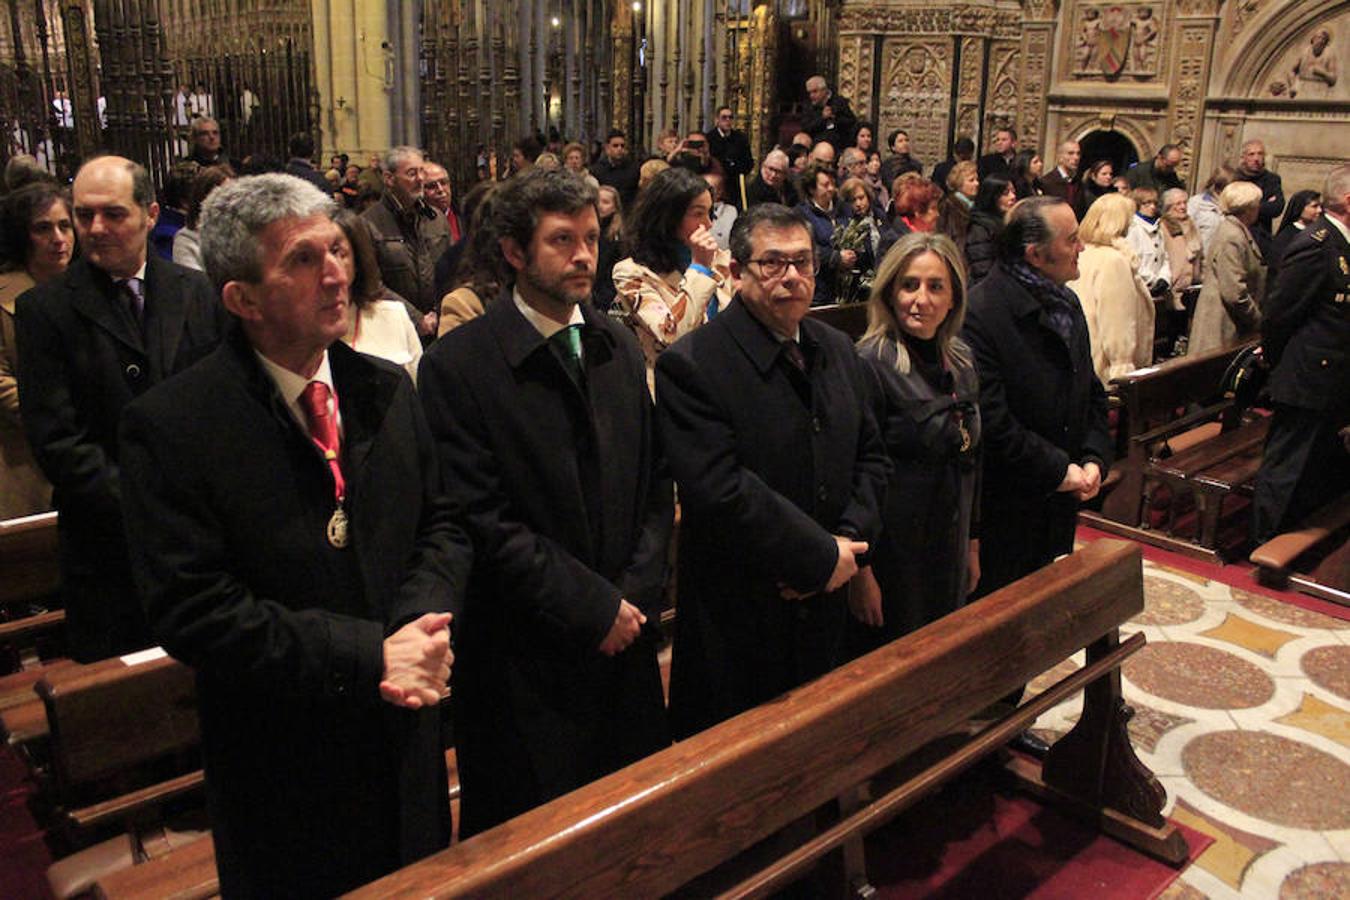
x: 292, y: 545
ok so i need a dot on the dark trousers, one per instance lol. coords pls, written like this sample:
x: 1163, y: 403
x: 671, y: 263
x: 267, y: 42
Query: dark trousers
x: 1305, y: 466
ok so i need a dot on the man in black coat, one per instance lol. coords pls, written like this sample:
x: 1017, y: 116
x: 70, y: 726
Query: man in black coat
x: 301, y: 148
x: 781, y: 471
x: 541, y: 412
x: 1046, y: 446
x: 117, y: 322
x: 731, y: 148
x: 999, y: 162
x: 294, y: 547
x: 1306, y: 336
x: 828, y: 117
x: 774, y: 182
x: 1252, y: 167
x: 1062, y: 180
x: 616, y: 167
x: 900, y: 161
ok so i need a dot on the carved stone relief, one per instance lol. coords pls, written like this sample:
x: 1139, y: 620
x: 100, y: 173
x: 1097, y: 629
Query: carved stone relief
x: 1001, y: 100
x: 1313, y: 66
x: 866, y: 66
x: 968, y: 91
x: 1036, y: 43
x: 916, y: 93
x: 1108, y: 41
x: 1189, y: 90
x: 847, y: 79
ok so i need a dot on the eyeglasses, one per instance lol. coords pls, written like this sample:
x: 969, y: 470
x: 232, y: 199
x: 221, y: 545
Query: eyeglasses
x: 777, y: 266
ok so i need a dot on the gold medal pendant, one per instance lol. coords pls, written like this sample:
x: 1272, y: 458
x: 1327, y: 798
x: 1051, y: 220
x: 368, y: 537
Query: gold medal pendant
x: 337, y: 528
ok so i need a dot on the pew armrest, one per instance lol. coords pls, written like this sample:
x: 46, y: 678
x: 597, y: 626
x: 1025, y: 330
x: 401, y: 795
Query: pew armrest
x: 188, y: 873
x: 126, y: 804
x: 1186, y: 422
x: 1279, y: 553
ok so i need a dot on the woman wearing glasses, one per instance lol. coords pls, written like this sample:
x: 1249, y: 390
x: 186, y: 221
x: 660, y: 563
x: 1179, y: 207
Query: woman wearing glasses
x: 925, y: 395
x: 675, y: 278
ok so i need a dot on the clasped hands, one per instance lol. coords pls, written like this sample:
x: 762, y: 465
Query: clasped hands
x: 417, y: 661
x: 1082, y: 481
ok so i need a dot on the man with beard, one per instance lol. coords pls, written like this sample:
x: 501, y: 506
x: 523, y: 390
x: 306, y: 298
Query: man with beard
x: 542, y: 416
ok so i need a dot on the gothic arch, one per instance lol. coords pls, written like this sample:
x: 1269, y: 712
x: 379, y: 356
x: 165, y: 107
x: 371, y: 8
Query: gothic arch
x: 1267, y: 40
x: 1080, y: 126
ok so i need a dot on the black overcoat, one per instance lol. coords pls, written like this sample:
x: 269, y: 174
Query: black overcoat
x: 570, y: 510
x: 765, y: 480
x: 1041, y: 408
x: 82, y: 359
x: 314, y: 784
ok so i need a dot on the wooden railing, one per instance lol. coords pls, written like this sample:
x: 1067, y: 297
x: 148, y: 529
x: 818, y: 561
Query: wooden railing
x: 670, y: 818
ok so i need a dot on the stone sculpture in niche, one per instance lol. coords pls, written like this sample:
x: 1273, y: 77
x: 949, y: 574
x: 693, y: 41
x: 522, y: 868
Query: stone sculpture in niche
x: 1085, y: 47
x: 1314, y: 74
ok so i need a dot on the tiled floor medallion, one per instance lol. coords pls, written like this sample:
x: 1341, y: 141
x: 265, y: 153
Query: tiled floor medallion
x: 1169, y: 603
x: 1197, y: 675
x: 1271, y: 777
x: 1318, y: 881
x: 1329, y: 668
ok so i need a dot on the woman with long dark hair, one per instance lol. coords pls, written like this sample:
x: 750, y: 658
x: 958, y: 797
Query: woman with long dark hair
x: 379, y: 322
x: 674, y: 278
x: 1098, y: 179
x: 1026, y: 168
x: 37, y: 239
x: 926, y: 398
x: 993, y: 200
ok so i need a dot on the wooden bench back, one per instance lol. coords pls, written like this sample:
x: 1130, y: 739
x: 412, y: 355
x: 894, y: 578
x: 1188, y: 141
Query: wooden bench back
x: 850, y: 318
x: 659, y: 823
x: 29, y: 565
x: 109, y: 717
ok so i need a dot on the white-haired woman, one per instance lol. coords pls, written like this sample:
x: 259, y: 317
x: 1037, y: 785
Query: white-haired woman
x: 1229, y: 309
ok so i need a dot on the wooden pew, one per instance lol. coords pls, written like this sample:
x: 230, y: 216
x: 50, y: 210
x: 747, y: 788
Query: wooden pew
x: 1313, y: 559
x: 1178, y: 405
x: 123, y: 748
x: 30, y: 573
x: 666, y: 820
x: 850, y: 318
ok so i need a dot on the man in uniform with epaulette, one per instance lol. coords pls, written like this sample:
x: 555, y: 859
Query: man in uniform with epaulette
x: 1307, y: 341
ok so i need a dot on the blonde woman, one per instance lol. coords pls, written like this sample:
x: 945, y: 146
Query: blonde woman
x: 1116, y: 303
x: 926, y: 398
x: 1229, y: 310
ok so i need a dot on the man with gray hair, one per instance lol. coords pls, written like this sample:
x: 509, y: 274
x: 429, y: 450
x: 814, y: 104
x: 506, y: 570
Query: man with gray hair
x: 1306, y: 336
x: 773, y: 184
x: 828, y: 117
x: 293, y: 547
x: 409, y: 235
x: 119, y: 320
x: 1046, y: 445
x: 1252, y: 167
x: 852, y: 164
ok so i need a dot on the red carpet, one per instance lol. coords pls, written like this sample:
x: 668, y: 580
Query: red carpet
x: 1241, y: 575
x: 972, y: 840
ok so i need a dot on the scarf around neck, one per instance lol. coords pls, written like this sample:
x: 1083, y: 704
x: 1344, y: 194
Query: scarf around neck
x: 1060, y: 303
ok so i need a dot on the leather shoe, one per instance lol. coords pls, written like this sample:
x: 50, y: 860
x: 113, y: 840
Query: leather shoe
x: 1029, y: 744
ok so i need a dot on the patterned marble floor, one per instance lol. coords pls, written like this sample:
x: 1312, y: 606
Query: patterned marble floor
x: 1243, y: 711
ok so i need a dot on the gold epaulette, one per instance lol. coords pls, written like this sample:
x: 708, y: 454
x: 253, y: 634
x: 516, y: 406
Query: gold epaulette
x: 1320, y: 235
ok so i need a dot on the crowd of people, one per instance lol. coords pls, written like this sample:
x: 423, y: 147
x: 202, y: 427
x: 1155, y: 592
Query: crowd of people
x: 337, y: 434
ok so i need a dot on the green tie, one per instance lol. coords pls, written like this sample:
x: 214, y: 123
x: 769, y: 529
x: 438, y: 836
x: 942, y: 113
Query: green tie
x: 568, y: 343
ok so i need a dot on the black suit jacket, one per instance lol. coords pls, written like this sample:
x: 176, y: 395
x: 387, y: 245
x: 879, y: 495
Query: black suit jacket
x: 82, y: 359
x: 1041, y: 408
x: 314, y: 784
x: 1066, y: 189
x: 837, y: 130
x: 733, y: 151
x: 1306, y: 329
x: 766, y: 479
x: 570, y: 510
x: 993, y: 164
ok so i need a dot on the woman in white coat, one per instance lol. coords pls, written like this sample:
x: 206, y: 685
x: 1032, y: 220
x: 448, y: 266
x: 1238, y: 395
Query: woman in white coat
x: 1116, y: 304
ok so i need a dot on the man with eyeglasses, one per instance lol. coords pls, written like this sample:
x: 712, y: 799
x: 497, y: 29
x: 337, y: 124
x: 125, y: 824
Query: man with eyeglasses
x: 764, y: 419
x: 731, y: 148
x: 773, y: 185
